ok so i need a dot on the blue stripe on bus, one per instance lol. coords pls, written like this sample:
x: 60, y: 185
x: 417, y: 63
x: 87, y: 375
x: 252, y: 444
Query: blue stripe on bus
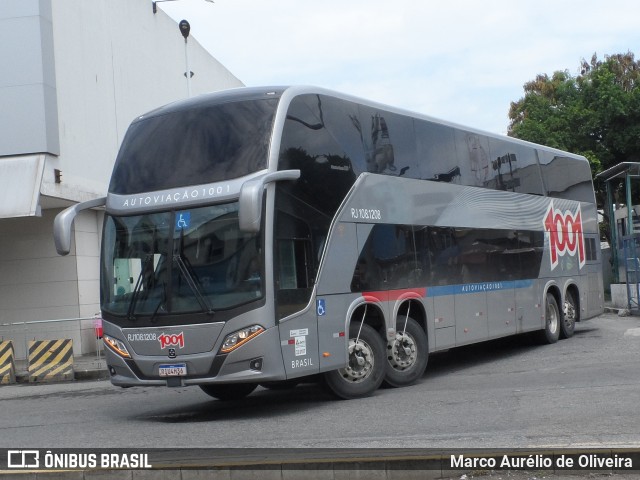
x: 477, y: 287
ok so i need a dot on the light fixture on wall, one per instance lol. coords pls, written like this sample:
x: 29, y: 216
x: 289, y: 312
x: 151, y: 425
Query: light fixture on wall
x: 155, y: 8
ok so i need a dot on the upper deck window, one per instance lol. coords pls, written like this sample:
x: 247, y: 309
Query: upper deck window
x: 566, y: 177
x: 194, y: 146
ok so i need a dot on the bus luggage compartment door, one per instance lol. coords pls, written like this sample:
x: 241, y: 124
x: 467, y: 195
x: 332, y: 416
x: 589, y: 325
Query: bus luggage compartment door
x: 471, y: 317
x: 501, y: 312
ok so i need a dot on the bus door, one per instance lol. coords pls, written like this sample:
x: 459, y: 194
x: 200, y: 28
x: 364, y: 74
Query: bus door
x: 293, y: 275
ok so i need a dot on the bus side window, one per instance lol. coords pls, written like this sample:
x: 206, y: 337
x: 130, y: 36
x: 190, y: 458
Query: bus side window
x: 444, y: 254
x: 294, y: 264
x: 294, y: 260
x: 388, y: 260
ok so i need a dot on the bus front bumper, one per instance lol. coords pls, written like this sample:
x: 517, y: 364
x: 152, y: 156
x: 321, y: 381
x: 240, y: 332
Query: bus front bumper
x: 257, y: 361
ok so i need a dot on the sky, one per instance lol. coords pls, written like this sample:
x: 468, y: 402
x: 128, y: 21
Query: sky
x: 463, y: 61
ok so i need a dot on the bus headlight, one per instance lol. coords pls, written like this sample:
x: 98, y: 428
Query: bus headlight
x: 116, y: 345
x: 235, y: 339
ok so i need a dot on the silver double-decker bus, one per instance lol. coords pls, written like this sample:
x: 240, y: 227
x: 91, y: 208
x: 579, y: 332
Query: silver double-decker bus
x: 264, y: 235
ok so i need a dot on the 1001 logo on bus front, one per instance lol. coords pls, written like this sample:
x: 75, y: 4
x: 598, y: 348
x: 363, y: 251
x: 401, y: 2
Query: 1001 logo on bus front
x: 564, y: 230
x: 171, y: 340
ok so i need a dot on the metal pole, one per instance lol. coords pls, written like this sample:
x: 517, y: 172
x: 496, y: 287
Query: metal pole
x: 629, y: 206
x: 188, y: 72
x: 613, y: 248
x: 185, y: 28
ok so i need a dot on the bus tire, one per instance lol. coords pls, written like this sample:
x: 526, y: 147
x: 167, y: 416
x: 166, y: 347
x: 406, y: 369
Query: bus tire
x: 569, y: 316
x: 366, y: 365
x: 407, y: 354
x: 552, y: 321
x: 229, y: 391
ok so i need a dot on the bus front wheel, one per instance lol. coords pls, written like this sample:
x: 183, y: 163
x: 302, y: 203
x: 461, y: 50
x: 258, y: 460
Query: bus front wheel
x: 407, y: 353
x: 365, y: 367
x: 229, y: 391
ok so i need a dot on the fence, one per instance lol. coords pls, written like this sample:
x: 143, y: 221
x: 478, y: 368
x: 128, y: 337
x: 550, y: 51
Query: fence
x: 81, y: 330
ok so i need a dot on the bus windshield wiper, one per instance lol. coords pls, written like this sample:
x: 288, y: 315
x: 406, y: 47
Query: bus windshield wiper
x: 161, y: 302
x: 204, y: 304
x: 137, y: 288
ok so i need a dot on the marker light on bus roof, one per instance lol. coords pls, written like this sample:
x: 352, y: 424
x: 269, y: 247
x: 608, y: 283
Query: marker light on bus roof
x: 240, y: 337
x: 116, y: 345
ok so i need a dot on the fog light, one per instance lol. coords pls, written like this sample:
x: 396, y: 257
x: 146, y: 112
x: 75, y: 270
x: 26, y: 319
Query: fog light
x: 256, y: 364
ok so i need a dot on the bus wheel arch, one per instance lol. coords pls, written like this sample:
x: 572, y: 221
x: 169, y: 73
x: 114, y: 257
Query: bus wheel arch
x: 408, y: 349
x: 570, y: 311
x: 366, y: 355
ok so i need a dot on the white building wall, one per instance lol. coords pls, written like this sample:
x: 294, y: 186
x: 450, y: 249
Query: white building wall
x: 112, y: 60
x: 115, y: 60
x: 28, y: 117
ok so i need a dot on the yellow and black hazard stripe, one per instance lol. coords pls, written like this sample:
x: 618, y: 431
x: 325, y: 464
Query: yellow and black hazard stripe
x: 50, y: 360
x: 7, y: 363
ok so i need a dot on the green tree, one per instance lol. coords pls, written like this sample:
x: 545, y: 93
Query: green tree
x: 595, y: 114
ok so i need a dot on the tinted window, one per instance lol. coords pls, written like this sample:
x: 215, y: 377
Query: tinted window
x: 295, y: 263
x: 194, y: 146
x: 474, y: 158
x: 342, y: 124
x: 465, y: 255
x: 513, y: 168
x: 324, y: 161
x: 397, y: 256
x: 388, y: 260
x: 390, y: 143
x: 436, y: 152
x: 566, y: 177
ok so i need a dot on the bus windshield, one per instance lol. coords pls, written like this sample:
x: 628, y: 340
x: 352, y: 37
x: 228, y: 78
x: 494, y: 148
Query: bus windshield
x: 188, y: 261
x: 203, y: 144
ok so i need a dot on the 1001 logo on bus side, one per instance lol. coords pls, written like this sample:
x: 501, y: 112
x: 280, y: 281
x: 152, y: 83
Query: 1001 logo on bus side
x: 564, y: 230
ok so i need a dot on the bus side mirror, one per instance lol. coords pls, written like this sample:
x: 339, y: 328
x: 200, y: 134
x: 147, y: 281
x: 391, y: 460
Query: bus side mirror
x: 64, y: 220
x: 250, y: 202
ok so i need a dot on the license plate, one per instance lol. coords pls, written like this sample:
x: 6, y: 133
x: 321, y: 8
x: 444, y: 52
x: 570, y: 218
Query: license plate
x: 173, y: 370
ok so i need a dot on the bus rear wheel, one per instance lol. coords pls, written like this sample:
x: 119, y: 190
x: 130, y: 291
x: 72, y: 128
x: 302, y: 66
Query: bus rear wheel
x: 365, y: 368
x: 569, y: 317
x: 552, y: 321
x: 407, y: 353
x: 229, y: 391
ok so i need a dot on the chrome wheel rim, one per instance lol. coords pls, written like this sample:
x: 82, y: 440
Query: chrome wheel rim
x: 552, y: 318
x: 361, y: 362
x: 402, y: 352
x: 569, y: 311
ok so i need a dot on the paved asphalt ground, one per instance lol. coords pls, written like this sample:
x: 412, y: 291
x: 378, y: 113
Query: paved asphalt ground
x: 579, y: 393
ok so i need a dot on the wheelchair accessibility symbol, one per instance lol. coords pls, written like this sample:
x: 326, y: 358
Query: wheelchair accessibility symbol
x: 183, y: 220
x: 321, y: 307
